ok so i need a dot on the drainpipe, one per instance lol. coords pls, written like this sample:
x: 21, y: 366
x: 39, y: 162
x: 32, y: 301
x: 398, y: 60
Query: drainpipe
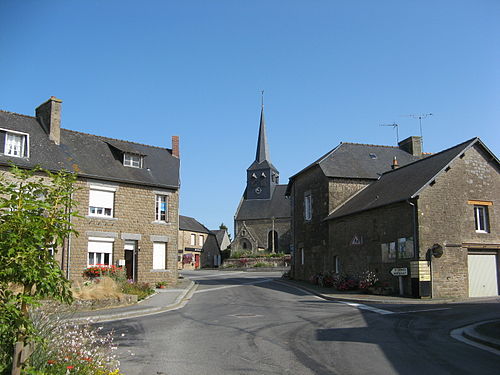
x: 69, y: 240
x: 414, y: 219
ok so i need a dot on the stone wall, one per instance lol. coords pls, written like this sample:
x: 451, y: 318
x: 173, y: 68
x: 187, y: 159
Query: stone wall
x: 134, y: 218
x: 260, y: 229
x: 357, y: 241
x: 446, y: 218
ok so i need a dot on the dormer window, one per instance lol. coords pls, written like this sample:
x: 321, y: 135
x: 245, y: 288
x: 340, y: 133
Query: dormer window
x: 132, y: 160
x: 16, y: 144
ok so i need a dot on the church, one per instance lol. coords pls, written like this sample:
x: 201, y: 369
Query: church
x: 263, y: 218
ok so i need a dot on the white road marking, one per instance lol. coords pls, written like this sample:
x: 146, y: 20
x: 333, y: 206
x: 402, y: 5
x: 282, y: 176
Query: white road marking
x: 195, y: 277
x: 416, y: 311
x: 233, y: 286
x: 366, y: 307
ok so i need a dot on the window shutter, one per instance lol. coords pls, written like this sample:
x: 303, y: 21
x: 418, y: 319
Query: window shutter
x: 100, y: 198
x: 159, y: 255
x: 100, y: 247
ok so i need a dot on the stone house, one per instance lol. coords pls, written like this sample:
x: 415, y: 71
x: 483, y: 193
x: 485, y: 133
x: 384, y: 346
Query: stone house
x: 222, y: 238
x: 318, y: 189
x: 262, y: 219
x: 198, y: 246
x: 127, y: 197
x: 435, y: 220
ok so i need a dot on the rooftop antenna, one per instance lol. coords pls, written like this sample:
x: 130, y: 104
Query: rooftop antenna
x: 420, y: 117
x: 394, y: 126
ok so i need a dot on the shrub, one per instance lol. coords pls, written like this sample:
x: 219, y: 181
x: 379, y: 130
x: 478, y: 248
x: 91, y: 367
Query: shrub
x: 65, y: 347
x: 141, y: 290
x: 101, y: 270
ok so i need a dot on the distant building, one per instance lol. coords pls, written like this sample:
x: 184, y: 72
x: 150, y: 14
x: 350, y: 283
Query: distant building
x: 198, y: 247
x: 127, y: 197
x: 262, y: 220
x: 222, y: 238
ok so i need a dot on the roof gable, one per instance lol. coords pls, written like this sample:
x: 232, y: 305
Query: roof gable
x: 403, y: 183
x: 191, y: 224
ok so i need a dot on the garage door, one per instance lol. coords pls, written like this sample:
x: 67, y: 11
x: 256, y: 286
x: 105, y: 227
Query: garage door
x: 482, y: 275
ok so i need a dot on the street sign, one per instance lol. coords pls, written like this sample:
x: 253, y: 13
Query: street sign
x: 399, y: 271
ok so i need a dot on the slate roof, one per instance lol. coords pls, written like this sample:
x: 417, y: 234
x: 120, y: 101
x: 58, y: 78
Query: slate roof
x: 219, y: 234
x: 278, y: 206
x: 91, y: 156
x: 403, y: 183
x: 191, y: 224
x: 355, y: 160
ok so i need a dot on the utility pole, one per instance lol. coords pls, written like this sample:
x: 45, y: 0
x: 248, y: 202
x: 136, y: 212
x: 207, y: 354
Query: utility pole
x: 420, y: 117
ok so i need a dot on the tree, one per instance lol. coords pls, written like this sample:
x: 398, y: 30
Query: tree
x: 35, y: 219
x: 224, y: 227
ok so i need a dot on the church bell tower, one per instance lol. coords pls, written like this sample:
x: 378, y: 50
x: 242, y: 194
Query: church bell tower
x: 262, y: 176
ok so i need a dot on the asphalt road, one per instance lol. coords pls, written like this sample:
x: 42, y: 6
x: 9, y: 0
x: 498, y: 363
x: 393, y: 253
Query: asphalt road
x: 251, y: 323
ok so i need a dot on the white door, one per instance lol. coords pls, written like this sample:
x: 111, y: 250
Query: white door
x: 482, y: 275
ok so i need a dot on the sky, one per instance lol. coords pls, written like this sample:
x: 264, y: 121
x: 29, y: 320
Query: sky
x: 332, y: 71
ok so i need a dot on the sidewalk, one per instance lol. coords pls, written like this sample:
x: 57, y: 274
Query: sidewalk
x: 163, y: 300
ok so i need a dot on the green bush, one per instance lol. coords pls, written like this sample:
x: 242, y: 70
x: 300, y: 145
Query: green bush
x: 141, y: 290
x: 262, y: 264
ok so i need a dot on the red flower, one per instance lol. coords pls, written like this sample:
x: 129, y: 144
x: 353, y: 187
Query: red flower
x: 69, y: 367
x: 51, y: 361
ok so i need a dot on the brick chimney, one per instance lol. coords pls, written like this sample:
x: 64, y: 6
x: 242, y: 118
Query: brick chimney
x: 412, y: 145
x: 175, y: 146
x: 49, y: 116
x: 395, y: 164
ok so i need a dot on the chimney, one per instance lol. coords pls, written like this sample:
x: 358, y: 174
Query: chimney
x: 395, y: 164
x: 175, y: 146
x: 412, y: 145
x: 49, y: 115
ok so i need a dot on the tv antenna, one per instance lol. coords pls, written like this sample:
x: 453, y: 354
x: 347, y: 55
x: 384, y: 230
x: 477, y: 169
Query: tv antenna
x: 420, y: 117
x: 394, y: 126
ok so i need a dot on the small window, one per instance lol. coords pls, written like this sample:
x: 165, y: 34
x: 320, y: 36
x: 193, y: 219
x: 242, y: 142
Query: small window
x: 161, y: 208
x: 16, y: 145
x: 159, y: 255
x: 100, y: 253
x: 307, y: 207
x: 132, y: 160
x: 101, y: 203
x: 200, y: 240
x: 193, y: 239
x: 481, y: 219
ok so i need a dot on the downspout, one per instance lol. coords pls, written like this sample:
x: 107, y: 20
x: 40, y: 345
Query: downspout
x: 414, y: 220
x: 69, y: 239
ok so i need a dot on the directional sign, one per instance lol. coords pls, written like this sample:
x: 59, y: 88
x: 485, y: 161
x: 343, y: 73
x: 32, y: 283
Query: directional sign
x: 399, y: 271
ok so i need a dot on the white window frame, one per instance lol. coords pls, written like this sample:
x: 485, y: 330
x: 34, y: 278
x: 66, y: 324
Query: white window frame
x: 105, y: 247
x: 201, y: 240
x: 481, y: 218
x: 100, y: 210
x: 24, y: 147
x: 132, y: 160
x: 159, y: 255
x: 307, y: 207
x: 159, y: 213
x: 193, y: 239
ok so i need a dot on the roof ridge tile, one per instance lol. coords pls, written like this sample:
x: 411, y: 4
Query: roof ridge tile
x: 17, y: 114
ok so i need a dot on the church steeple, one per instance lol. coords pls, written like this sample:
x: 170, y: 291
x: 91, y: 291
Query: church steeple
x: 262, y: 146
x: 262, y: 176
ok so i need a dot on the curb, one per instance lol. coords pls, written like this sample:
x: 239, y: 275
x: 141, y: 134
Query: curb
x: 401, y: 300
x: 180, y: 301
x: 470, y: 333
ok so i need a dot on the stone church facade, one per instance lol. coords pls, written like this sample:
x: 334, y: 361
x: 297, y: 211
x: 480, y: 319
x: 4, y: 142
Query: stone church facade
x: 263, y: 218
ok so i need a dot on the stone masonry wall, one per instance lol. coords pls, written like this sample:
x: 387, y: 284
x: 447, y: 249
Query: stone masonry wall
x: 447, y: 219
x: 260, y: 229
x: 134, y: 218
x: 357, y: 241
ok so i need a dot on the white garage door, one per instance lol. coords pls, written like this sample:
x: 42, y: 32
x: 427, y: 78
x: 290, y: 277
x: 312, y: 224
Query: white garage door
x: 482, y: 275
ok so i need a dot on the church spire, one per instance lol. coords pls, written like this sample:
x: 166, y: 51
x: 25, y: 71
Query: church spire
x: 262, y: 146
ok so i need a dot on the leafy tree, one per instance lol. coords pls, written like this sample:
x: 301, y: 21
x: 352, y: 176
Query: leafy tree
x: 35, y: 219
x: 224, y: 227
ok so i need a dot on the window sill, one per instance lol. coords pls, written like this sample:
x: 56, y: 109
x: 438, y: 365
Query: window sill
x: 159, y: 270
x: 161, y: 222
x: 101, y: 217
x: 482, y: 231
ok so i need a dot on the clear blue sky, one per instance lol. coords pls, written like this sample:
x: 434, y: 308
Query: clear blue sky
x: 332, y: 71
